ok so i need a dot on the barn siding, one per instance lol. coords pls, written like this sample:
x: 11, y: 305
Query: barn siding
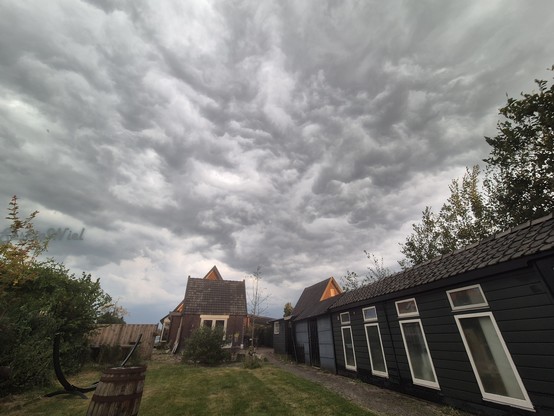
x: 125, y: 335
x: 302, y: 339
x: 326, y: 349
x: 280, y: 340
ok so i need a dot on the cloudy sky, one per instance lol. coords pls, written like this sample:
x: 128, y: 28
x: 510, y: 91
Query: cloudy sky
x: 173, y: 136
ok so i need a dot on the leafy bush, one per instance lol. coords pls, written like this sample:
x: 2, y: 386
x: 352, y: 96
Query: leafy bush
x: 205, y: 346
x: 37, y: 300
x: 252, y: 360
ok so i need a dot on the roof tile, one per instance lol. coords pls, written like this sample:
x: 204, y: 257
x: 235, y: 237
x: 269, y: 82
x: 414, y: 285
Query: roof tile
x: 532, y: 237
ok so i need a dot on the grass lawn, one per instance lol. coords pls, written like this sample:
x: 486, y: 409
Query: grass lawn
x: 178, y: 390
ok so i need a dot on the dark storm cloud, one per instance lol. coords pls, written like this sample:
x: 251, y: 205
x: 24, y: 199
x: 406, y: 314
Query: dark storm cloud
x: 291, y: 135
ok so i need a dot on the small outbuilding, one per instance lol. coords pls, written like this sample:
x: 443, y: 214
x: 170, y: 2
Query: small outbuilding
x: 312, y: 327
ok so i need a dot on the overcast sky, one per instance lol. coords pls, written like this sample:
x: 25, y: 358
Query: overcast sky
x: 174, y: 136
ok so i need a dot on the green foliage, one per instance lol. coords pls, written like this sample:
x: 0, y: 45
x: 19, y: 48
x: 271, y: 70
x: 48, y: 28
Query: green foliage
x: 463, y: 219
x: 112, y: 314
x: 518, y: 184
x: 205, y: 346
x: 287, y: 309
x: 521, y: 162
x: 252, y: 360
x: 375, y: 271
x: 37, y: 300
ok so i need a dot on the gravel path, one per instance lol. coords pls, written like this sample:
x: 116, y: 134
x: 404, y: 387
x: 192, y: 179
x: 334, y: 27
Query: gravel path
x: 380, y: 401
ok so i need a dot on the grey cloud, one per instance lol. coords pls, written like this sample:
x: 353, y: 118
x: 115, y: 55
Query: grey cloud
x: 290, y: 135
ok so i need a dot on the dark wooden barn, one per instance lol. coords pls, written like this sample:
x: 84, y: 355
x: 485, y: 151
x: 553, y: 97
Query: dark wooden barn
x: 311, y: 325
x: 282, y: 336
x: 473, y: 329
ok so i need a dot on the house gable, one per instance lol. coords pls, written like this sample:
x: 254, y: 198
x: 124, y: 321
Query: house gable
x: 213, y: 274
x: 333, y: 289
x: 316, y: 299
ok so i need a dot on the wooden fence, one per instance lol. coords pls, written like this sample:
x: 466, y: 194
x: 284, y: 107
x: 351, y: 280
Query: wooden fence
x: 125, y: 336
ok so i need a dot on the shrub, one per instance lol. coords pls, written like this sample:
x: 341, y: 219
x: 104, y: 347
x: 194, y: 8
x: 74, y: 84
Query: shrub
x: 252, y: 360
x: 205, y: 346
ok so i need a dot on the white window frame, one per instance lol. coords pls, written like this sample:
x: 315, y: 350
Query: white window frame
x: 406, y: 314
x: 418, y: 381
x: 276, y: 328
x: 466, y: 307
x: 369, y: 319
x: 348, y: 367
x: 373, y: 371
x: 495, y: 398
x: 344, y: 321
x: 214, y: 318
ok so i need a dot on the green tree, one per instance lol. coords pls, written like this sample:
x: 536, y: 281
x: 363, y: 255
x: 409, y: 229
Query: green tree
x: 463, y: 219
x: 520, y: 175
x: 205, y: 346
x: 112, y: 314
x: 518, y: 184
x: 257, y: 301
x: 375, y: 271
x: 287, y: 309
x: 37, y: 300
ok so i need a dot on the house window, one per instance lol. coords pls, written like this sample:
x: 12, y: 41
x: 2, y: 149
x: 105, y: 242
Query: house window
x: 419, y: 357
x: 345, y: 318
x: 406, y: 308
x: 348, y: 347
x: 492, y: 364
x: 376, y: 353
x: 276, y: 328
x: 470, y: 297
x: 370, y: 314
x: 215, y: 321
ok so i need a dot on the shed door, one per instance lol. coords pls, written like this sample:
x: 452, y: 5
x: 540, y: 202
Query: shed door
x: 314, y: 343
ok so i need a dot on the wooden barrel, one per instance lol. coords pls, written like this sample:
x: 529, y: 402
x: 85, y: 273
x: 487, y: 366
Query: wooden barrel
x: 118, y: 393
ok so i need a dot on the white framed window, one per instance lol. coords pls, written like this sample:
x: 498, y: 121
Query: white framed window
x: 214, y: 321
x: 370, y: 314
x: 406, y: 308
x: 276, y: 328
x: 376, y: 352
x: 345, y: 318
x: 419, y: 356
x: 469, y: 297
x: 491, y: 361
x: 348, y: 348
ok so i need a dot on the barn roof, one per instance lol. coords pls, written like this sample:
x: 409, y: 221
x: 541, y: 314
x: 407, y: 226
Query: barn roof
x: 530, y: 238
x: 215, y: 297
x: 313, y: 301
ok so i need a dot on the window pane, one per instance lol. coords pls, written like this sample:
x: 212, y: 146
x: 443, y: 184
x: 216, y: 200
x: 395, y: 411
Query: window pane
x: 370, y: 314
x: 219, y: 324
x: 345, y: 318
x: 276, y: 328
x: 208, y: 323
x: 375, y: 349
x: 348, y: 347
x: 489, y: 356
x: 467, y: 297
x: 420, y: 359
x: 406, y: 307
